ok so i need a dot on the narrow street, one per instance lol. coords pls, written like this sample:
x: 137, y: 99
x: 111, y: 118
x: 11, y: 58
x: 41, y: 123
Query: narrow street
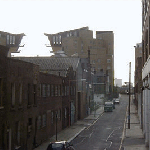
x: 106, y: 132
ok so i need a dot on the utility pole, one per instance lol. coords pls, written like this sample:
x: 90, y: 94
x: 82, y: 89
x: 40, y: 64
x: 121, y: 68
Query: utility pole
x: 89, y: 79
x: 129, y: 95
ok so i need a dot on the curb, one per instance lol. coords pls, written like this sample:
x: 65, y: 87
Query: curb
x: 124, y: 128
x: 76, y: 135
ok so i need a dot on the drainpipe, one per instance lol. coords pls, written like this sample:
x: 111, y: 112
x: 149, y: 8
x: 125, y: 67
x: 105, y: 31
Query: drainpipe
x: 142, y: 108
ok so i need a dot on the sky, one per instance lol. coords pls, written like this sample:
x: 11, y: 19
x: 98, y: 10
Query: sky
x: 36, y: 17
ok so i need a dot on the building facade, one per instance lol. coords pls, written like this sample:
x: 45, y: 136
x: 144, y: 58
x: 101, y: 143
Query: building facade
x: 60, y: 66
x: 77, y: 42
x: 138, y: 75
x: 146, y: 70
x: 12, y: 41
x: 19, y: 104
x: 118, y: 82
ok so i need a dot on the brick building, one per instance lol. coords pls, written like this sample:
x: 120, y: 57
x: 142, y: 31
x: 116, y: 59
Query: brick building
x: 60, y: 66
x: 145, y: 122
x: 138, y: 75
x: 49, y: 107
x: 18, y: 94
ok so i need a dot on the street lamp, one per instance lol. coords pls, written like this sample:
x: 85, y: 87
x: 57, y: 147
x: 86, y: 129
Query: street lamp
x: 129, y: 95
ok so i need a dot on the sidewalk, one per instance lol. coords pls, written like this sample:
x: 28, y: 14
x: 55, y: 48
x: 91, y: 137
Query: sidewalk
x: 133, y: 138
x: 70, y: 133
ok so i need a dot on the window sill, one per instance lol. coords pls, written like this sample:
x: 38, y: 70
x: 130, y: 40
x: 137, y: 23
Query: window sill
x: 17, y: 147
x: 43, y: 127
x: 20, y: 107
x: 12, y: 109
x: 1, y: 107
x: 29, y: 106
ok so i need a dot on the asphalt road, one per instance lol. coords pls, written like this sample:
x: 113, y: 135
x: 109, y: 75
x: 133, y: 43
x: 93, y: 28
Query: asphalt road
x: 106, y: 132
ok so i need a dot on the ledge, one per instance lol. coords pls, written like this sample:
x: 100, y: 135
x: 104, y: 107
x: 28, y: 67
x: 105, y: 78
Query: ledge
x: 29, y: 106
x: 1, y: 107
x: 12, y: 108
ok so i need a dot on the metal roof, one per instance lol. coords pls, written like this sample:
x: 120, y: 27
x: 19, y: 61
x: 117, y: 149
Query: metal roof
x: 53, y: 64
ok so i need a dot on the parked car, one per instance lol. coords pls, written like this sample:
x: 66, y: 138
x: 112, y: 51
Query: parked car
x: 62, y: 145
x: 117, y: 101
x: 113, y: 101
x: 108, y: 106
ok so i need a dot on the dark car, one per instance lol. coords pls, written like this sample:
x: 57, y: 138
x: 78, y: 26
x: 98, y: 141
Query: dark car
x: 62, y: 145
x: 108, y: 106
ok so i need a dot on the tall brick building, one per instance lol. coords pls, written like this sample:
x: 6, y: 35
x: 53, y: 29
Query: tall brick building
x: 11, y: 41
x: 138, y: 74
x: 145, y: 121
x: 76, y: 43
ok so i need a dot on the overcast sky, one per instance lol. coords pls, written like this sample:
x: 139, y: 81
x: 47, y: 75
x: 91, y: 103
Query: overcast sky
x: 36, y: 17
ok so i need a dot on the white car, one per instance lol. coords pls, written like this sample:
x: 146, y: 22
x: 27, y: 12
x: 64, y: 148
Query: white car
x: 117, y: 101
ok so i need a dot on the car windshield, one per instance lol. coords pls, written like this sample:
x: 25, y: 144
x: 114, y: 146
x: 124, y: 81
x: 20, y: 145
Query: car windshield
x: 57, y: 146
x: 108, y: 103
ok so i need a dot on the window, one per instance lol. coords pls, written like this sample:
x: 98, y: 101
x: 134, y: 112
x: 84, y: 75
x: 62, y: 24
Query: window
x: 44, y: 90
x: 101, y: 70
x: 29, y: 124
x: 56, y: 90
x: 13, y: 94
x: 1, y: 92
x: 52, y: 117
x: 57, y: 39
x: 18, y: 133
x: 13, y: 42
x: 65, y: 90
x: 59, y: 90
x: 28, y: 94
x: 44, y: 120
x: 75, y: 33
x: 108, y: 67
x: 40, y: 90
x: 52, y: 90
x: 59, y: 114
x: 70, y: 33
x: 39, y: 123
x: 82, y: 45
x: 99, y: 60
x: 75, y: 43
x: 108, y: 61
x: 8, y: 39
x: 65, y: 112
x: 11, y: 39
x: 34, y: 93
x: 54, y: 40
x: 48, y: 90
x: 67, y: 34
x: 20, y: 93
x: 93, y: 61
